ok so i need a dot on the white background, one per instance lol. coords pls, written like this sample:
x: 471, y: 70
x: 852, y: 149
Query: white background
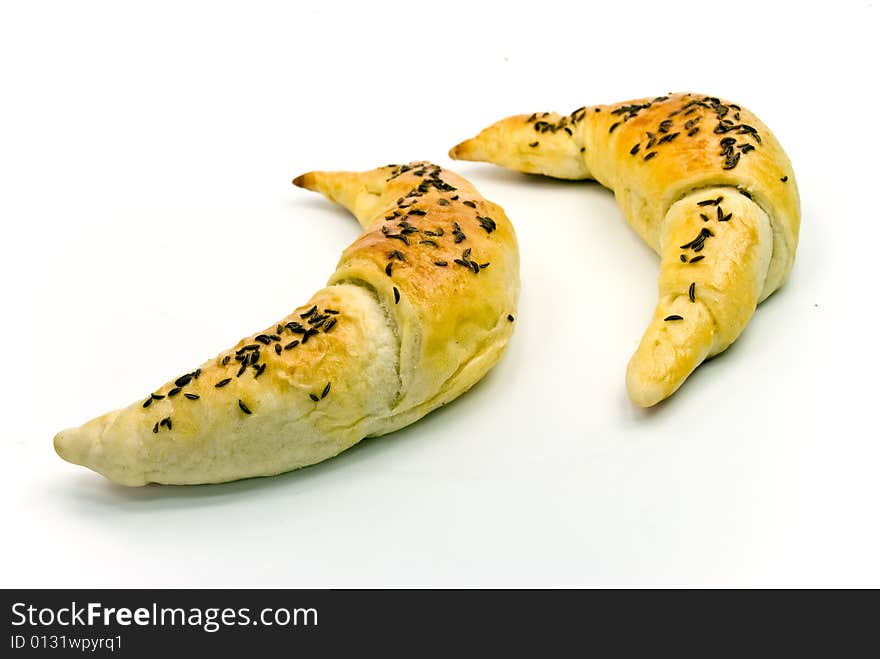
x: 149, y: 222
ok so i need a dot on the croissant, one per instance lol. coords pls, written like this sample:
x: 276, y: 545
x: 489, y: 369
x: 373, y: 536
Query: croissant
x: 703, y: 182
x: 420, y: 307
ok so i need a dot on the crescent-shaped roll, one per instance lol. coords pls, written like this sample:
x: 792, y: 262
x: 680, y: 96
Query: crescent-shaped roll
x: 420, y: 307
x: 703, y: 182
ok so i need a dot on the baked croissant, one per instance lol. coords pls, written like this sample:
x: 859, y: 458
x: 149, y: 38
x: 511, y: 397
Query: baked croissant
x: 420, y: 307
x: 703, y: 182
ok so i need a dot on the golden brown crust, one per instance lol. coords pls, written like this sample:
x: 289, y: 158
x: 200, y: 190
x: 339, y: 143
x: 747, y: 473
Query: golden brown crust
x: 671, y: 145
x: 393, y: 336
x: 663, y: 157
x: 443, y: 258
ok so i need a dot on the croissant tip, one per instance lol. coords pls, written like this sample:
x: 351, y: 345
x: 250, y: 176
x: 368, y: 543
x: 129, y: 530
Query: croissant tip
x: 645, y: 391
x: 66, y: 446
x: 467, y: 150
x: 645, y: 398
x: 80, y: 446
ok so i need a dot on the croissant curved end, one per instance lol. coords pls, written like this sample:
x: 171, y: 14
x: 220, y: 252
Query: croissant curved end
x: 67, y: 447
x: 303, y: 181
x: 467, y: 150
x: 645, y: 394
x: 113, y: 455
x: 654, y: 374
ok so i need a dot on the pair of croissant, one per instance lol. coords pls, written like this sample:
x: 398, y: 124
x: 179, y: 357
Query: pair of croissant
x: 423, y: 304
